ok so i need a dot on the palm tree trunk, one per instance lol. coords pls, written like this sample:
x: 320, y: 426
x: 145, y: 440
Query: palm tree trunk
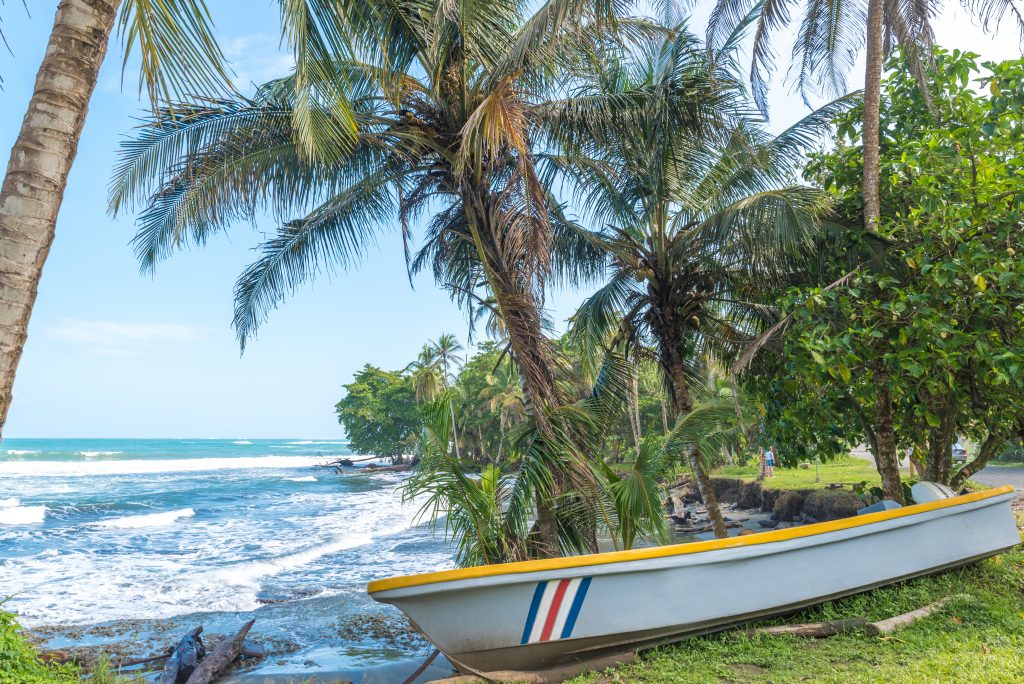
x: 455, y: 432
x: 872, y: 100
x: 530, y: 349
x: 681, y: 405
x: 636, y: 405
x: 634, y: 428
x: 37, y: 172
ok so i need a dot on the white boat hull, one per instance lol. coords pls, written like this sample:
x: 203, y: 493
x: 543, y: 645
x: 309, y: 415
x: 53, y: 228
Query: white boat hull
x: 553, y: 613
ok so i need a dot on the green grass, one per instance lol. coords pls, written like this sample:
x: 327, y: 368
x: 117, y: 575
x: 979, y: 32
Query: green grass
x: 847, y: 470
x: 976, y: 640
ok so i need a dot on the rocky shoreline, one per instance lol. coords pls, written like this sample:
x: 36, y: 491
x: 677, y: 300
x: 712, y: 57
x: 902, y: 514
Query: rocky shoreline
x: 756, y: 506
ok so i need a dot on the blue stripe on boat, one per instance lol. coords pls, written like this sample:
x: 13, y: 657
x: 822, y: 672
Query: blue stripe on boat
x: 574, y: 612
x: 534, y: 605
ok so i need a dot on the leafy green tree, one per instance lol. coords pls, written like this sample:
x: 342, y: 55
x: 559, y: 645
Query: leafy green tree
x: 927, y: 343
x: 380, y: 413
x: 827, y: 43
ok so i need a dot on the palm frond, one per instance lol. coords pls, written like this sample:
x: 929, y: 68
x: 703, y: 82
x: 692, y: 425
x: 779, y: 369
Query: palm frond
x: 335, y: 234
x: 180, y: 58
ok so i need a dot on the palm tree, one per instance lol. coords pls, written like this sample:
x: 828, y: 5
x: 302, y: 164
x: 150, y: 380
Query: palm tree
x: 432, y: 374
x: 455, y: 111
x: 179, y: 57
x: 828, y: 41
x: 504, y: 397
x: 692, y: 232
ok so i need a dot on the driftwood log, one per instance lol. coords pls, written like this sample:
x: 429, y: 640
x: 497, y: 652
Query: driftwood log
x: 894, y: 623
x: 250, y: 649
x: 387, y: 469
x: 707, y: 528
x: 184, y: 658
x: 817, y: 630
x: 220, y: 657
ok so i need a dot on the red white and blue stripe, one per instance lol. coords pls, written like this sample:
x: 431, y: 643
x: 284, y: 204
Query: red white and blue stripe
x: 556, y: 605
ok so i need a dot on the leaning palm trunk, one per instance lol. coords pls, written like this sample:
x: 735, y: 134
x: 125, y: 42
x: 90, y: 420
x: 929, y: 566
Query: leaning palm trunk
x: 681, y: 405
x: 38, y: 169
x: 872, y: 99
x: 530, y: 351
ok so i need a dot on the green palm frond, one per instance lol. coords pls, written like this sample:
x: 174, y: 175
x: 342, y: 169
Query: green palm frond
x: 716, y: 423
x: 336, y: 234
x: 180, y: 58
x: 636, y: 496
x: 144, y: 160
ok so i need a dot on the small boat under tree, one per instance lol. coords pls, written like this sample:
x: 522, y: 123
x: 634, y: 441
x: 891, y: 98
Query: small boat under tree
x: 567, y: 614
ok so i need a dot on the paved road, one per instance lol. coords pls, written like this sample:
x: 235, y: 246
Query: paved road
x: 1000, y: 475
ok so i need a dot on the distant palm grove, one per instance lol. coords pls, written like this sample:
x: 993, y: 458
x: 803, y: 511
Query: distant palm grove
x: 854, y: 278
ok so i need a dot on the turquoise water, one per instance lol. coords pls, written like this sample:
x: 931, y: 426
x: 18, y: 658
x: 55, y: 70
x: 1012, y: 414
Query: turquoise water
x: 199, y: 531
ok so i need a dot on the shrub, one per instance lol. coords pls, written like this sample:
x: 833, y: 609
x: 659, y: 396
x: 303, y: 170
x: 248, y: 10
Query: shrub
x: 19, y: 662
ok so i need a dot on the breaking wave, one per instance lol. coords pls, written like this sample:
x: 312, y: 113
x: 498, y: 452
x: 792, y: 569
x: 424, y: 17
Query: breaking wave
x: 22, y: 515
x: 140, y: 467
x: 132, y: 522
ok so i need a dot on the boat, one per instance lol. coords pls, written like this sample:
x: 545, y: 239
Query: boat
x: 567, y: 614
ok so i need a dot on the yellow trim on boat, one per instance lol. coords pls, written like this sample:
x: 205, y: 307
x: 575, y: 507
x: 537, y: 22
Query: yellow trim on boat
x: 568, y: 562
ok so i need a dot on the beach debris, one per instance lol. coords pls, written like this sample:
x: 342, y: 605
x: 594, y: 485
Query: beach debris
x: 220, y: 657
x: 894, y: 623
x: 404, y: 468
x: 817, y: 630
x: 706, y: 528
x: 184, y: 658
x: 820, y: 630
x: 250, y: 649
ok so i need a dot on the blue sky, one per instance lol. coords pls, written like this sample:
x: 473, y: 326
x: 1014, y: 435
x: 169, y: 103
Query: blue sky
x: 112, y: 353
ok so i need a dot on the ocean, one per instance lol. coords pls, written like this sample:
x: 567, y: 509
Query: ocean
x: 108, y: 541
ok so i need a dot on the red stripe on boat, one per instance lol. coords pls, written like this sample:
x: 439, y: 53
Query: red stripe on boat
x: 556, y: 602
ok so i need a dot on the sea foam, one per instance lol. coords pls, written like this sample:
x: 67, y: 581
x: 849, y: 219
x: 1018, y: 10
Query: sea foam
x: 132, y: 522
x: 142, y: 467
x: 308, y: 478
x: 250, y: 574
x: 22, y: 515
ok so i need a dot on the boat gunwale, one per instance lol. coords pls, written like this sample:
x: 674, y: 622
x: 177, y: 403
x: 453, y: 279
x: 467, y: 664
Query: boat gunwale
x: 686, y: 548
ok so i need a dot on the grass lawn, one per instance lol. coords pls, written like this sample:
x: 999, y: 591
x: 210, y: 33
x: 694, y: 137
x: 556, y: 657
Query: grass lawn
x: 977, y: 639
x: 847, y: 470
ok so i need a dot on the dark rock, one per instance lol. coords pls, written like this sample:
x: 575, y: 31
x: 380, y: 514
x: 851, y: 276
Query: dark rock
x: 808, y: 520
x: 750, y: 495
x: 768, y: 498
x: 787, y: 506
x: 727, y: 489
x: 824, y: 505
x: 768, y: 523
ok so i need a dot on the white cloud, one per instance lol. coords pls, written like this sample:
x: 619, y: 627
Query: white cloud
x: 256, y: 59
x: 116, y: 338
